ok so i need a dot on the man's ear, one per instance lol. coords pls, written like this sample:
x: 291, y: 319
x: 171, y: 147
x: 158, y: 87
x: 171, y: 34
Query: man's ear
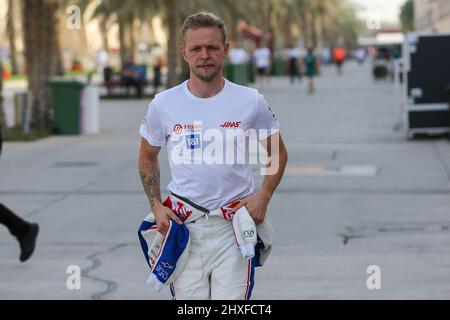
x: 227, y: 47
x: 183, y: 52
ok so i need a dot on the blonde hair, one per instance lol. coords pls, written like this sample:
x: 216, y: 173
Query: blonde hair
x: 204, y: 20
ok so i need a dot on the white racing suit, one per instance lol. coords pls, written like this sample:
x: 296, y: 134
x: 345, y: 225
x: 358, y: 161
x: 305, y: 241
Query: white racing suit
x: 215, y: 267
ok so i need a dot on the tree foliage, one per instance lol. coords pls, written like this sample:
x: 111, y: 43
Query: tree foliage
x: 407, y: 15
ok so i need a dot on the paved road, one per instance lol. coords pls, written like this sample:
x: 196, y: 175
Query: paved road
x: 356, y: 193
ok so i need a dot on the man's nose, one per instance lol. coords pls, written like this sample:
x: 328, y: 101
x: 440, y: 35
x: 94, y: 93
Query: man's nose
x: 204, y: 53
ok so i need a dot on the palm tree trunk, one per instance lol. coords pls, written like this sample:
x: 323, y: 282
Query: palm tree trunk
x: 172, y: 48
x: 289, y: 38
x: 151, y: 32
x: 11, y: 31
x: 83, y: 35
x: 104, y: 34
x: 305, y: 29
x: 271, y: 40
x: 132, y: 41
x: 122, y: 41
x: 53, y: 64
x: 30, y: 13
x: 40, y: 38
x: 313, y: 30
x: 57, y: 68
x: 185, y: 71
x: 2, y: 113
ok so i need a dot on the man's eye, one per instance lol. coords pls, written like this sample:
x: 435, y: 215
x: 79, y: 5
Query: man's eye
x: 213, y: 48
x: 195, y: 49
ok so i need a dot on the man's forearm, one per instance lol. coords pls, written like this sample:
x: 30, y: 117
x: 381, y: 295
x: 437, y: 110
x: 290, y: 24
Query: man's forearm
x: 271, y: 182
x: 150, y: 177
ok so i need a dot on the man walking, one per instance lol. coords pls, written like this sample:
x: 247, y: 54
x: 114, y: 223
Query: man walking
x: 262, y: 56
x: 311, y: 69
x: 295, y: 71
x: 24, y: 231
x: 180, y: 118
x: 339, y: 56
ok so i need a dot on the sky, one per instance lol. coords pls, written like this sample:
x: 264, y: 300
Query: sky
x: 389, y: 9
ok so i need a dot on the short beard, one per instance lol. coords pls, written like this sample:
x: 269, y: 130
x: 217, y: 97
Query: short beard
x: 206, y: 77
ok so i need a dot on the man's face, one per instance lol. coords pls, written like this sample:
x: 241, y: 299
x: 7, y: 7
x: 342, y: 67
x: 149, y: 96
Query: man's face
x: 204, y: 51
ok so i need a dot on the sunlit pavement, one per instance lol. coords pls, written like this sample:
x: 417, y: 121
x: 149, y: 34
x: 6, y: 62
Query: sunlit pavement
x: 356, y: 193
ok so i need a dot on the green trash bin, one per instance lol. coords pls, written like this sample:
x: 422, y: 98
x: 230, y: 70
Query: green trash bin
x: 66, y: 105
x: 251, y: 72
x: 240, y: 74
x: 278, y: 67
x: 227, y: 71
x: 237, y: 73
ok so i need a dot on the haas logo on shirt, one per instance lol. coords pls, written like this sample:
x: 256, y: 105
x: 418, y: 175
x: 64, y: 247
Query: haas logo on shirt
x: 231, y: 124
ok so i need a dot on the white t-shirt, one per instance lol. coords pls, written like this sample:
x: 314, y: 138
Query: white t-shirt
x: 185, y: 124
x: 237, y: 55
x: 262, y: 57
x: 294, y: 53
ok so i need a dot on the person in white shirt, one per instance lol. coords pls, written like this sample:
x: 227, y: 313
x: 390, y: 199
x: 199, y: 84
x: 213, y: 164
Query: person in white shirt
x: 188, y: 119
x: 262, y: 56
x: 102, y: 61
x: 237, y: 54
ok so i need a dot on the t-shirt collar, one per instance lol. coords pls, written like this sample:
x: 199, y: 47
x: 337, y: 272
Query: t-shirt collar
x: 213, y: 98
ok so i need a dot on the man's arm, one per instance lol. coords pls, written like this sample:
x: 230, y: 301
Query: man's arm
x: 257, y: 203
x: 150, y: 177
x: 278, y: 160
x: 149, y: 172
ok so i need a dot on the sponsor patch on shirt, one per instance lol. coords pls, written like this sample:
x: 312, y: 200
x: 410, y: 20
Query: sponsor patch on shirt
x: 193, y: 141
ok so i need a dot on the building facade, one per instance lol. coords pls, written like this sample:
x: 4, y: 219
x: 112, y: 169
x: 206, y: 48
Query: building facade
x: 432, y: 15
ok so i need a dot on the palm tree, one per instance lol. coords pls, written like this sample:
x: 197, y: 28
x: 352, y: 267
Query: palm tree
x: 407, y: 15
x: 106, y: 11
x: 174, y: 12
x: 172, y: 22
x: 39, y: 19
x: 2, y: 113
x: 11, y: 33
x: 125, y: 14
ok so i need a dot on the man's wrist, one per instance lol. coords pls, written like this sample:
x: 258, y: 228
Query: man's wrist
x: 155, y: 204
x: 267, y: 193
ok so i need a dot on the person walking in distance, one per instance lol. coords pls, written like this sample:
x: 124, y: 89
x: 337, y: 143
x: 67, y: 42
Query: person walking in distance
x: 339, y: 56
x: 237, y: 54
x: 24, y: 231
x: 263, y: 57
x: 180, y: 118
x: 157, y: 74
x: 311, y: 69
x: 294, y: 55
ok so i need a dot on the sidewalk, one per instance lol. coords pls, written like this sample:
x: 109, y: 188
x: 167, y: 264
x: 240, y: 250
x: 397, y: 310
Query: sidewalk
x: 356, y: 193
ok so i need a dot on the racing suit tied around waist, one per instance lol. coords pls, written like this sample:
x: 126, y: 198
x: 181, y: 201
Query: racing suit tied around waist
x: 254, y: 242
x: 188, y: 212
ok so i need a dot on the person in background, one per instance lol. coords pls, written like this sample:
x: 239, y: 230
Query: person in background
x: 326, y: 56
x: 102, y: 61
x: 339, y: 56
x: 157, y: 81
x: 237, y: 54
x: 360, y: 55
x: 263, y: 58
x: 132, y: 78
x: 311, y: 68
x: 24, y: 231
x: 294, y: 64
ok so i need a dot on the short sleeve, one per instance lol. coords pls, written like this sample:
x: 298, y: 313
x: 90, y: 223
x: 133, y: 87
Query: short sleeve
x: 152, y: 129
x: 265, y: 123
